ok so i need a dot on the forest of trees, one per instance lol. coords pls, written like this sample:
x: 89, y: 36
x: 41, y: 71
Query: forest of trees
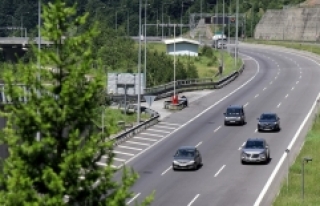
x: 123, y: 14
x: 119, y: 19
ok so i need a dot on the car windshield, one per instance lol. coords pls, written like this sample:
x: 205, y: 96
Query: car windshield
x: 233, y: 111
x: 268, y: 117
x: 254, y: 145
x: 185, y: 153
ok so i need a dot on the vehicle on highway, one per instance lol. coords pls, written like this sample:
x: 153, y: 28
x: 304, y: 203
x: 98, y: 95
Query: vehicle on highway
x: 235, y: 114
x: 187, y: 157
x: 268, y: 122
x: 255, y: 150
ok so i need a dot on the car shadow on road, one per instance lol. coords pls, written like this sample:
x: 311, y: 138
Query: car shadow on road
x: 190, y: 170
x: 258, y: 163
x: 272, y: 131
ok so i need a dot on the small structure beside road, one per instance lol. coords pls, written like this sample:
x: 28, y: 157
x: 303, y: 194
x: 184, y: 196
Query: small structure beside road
x: 183, y: 47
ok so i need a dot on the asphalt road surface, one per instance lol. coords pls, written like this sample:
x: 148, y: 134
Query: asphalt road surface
x: 273, y: 81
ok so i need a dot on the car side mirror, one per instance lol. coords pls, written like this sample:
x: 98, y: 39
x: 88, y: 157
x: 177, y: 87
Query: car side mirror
x: 224, y: 113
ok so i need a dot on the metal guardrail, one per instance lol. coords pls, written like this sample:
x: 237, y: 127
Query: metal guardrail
x: 166, y: 90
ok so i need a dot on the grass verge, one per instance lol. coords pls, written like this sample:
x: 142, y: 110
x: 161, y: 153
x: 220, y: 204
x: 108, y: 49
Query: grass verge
x: 113, y: 116
x: 311, y: 174
x: 305, y: 46
x: 207, y: 67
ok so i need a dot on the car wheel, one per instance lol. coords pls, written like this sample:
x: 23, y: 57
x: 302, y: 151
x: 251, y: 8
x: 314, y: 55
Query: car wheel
x: 243, y: 162
x: 225, y: 124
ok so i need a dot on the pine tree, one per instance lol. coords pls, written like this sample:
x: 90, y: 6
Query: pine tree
x: 61, y: 104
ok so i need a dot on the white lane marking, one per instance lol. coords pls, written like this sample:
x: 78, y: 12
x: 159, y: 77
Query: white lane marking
x: 283, y: 158
x: 264, y: 88
x: 271, y: 82
x: 286, y: 96
x: 292, y: 88
x: 132, y: 199
x: 276, y: 77
x: 256, y: 96
x: 124, y: 153
x: 156, y: 130
x: 194, y: 199
x: 151, y: 134
x: 198, y: 144
x: 300, y: 72
x: 138, y: 143
x: 132, y: 148
x: 297, y: 82
x: 165, y: 127
x: 201, y: 113
x: 119, y: 159
x: 164, y: 172
x: 279, y: 105
x: 255, y: 131
x: 300, y: 77
x: 167, y: 123
x: 217, y: 129
x: 246, y: 104
x: 146, y: 139
x: 219, y: 171
x: 104, y: 164
x: 240, y: 148
x: 243, y: 144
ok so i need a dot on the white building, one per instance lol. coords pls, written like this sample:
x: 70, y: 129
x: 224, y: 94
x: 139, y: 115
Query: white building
x: 183, y: 46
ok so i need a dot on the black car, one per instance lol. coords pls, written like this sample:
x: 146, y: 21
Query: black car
x: 268, y: 122
x: 187, y: 157
x: 234, y: 115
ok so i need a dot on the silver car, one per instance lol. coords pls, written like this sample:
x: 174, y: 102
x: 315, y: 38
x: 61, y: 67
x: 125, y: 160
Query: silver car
x: 255, y: 150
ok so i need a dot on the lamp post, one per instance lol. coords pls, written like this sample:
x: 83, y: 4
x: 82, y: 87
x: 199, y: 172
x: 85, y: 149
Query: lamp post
x: 174, y: 61
x: 288, y: 169
x: 38, y: 59
x: 145, y: 44
x: 305, y: 159
x: 139, y: 65
x: 237, y: 35
x: 162, y: 17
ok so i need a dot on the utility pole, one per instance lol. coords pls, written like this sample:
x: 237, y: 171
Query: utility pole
x: 221, y: 50
x: 139, y: 66
x: 162, y: 20
x: 174, y: 61
x: 181, y: 18
x: 38, y: 60
x: 200, y: 18
x: 145, y: 44
x: 237, y: 34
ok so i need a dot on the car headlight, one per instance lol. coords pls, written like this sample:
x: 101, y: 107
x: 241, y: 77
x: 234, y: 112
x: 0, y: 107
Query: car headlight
x: 175, y: 162
x: 191, y: 162
x: 263, y: 155
x: 244, y: 154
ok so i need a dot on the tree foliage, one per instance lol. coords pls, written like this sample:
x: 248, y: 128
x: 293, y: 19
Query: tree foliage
x: 61, y: 106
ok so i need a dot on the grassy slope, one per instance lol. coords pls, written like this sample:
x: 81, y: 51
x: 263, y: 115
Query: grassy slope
x: 311, y: 148
x: 311, y: 175
x: 201, y: 62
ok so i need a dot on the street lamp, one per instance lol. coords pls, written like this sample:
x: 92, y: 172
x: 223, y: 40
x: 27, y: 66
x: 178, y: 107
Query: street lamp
x: 237, y: 34
x: 288, y: 168
x: 145, y: 43
x: 305, y: 159
x: 139, y: 66
x: 38, y: 59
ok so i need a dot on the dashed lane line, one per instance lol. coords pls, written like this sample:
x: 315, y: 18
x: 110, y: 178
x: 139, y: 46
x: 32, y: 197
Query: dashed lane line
x: 217, y: 129
x: 292, y: 88
x: 164, y: 172
x: 246, y: 104
x: 286, y: 96
x: 219, y: 171
x: 279, y: 105
x: 193, y: 200
x: 256, y: 96
x: 132, y: 199
x: 198, y: 144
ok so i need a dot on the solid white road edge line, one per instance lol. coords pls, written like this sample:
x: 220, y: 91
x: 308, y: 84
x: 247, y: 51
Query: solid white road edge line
x: 164, y: 172
x: 194, y: 199
x: 201, y: 113
x: 132, y: 199
x: 282, y: 159
x: 217, y: 129
x: 219, y: 171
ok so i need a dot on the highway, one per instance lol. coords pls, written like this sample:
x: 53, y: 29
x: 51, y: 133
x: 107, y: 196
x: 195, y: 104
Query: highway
x: 273, y: 81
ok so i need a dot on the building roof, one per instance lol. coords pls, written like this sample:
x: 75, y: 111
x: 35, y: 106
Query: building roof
x: 180, y: 40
